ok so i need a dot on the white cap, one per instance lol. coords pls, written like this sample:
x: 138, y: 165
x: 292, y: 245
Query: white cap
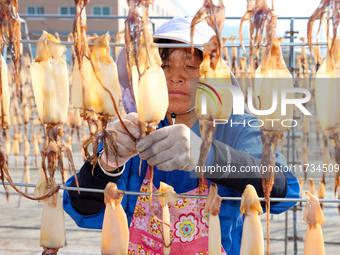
x: 177, y: 29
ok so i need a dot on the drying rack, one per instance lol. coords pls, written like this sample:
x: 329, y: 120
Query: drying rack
x: 291, y: 157
x: 137, y: 193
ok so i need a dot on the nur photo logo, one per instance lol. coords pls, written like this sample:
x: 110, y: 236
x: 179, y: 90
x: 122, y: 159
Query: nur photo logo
x: 281, y: 99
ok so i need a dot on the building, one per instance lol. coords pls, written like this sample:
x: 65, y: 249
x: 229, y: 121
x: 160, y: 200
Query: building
x: 64, y: 25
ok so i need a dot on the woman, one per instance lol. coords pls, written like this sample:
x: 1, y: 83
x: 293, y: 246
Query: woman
x: 173, y: 150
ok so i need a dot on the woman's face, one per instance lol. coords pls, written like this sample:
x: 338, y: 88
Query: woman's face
x: 179, y: 69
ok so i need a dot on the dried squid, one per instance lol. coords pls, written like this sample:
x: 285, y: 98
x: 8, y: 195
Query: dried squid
x: 261, y: 18
x: 5, y: 96
x: 212, y: 207
x: 233, y: 65
x: 98, y: 79
x: 327, y: 93
x: 332, y: 9
x: 170, y: 196
x: 226, y: 57
x: 305, y: 158
x: 301, y: 188
x: 272, y: 75
x: 115, y: 231
x: 4, y: 108
x: 74, y: 122
x: 51, y: 92
x: 26, y: 166
x: 36, y: 150
x: 213, y: 71
x: 11, y: 34
x: 92, y: 75
x: 52, y: 232
x: 145, y: 73
x: 321, y: 190
x: 311, y: 186
x: 314, y: 217
x: 252, y: 235
x: 317, y: 57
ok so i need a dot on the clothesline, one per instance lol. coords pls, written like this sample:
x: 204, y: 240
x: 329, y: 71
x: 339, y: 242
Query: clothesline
x: 183, y: 45
x: 62, y: 187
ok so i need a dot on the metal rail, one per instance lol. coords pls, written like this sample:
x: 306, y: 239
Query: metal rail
x: 25, y: 15
x: 272, y: 199
x: 185, y: 45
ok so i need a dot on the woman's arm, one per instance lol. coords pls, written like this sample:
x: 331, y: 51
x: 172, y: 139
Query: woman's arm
x: 87, y: 203
x: 240, y: 148
x: 236, y: 169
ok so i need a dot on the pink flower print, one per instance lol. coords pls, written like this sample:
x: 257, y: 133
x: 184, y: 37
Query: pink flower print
x: 202, y: 253
x: 204, y: 218
x: 144, y: 198
x: 148, y: 241
x: 140, y: 223
x: 154, y: 226
x: 181, y: 203
x: 139, y: 211
x: 186, y: 228
x: 141, y: 250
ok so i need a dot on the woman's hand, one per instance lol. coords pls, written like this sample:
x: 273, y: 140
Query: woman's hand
x: 170, y: 148
x: 126, y: 146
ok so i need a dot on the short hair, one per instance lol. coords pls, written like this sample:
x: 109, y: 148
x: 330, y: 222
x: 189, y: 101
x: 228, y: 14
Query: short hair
x: 166, y: 52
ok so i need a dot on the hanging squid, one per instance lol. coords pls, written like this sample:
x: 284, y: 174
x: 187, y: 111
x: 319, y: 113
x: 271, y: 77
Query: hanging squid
x: 252, y: 235
x: 11, y: 34
x: 52, y: 231
x: 95, y: 75
x: 51, y: 92
x: 115, y: 231
x: 327, y: 104
x: 261, y: 19
x: 226, y: 57
x: 170, y: 196
x: 327, y: 89
x: 332, y: 9
x: 311, y: 186
x: 321, y: 191
x: 98, y: 79
x: 212, y: 207
x: 272, y: 77
x: 214, y: 67
x: 26, y: 166
x: 4, y: 171
x: 233, y: 64
x: 301, y: 188
x: 145, y: 72
x: 313, y: 215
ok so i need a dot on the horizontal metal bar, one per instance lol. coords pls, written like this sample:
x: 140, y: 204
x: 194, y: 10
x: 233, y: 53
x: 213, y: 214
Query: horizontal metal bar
x: 272, y: 199
x: 184, y: 45
x: 300, y: 240
x: 25, y: 15
x: 38, y: 228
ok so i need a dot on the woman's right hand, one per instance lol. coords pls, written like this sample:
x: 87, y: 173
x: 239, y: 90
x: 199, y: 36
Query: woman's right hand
x: 126, y: 146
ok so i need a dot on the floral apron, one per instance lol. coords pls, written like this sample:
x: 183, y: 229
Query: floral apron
x: 189, y: 224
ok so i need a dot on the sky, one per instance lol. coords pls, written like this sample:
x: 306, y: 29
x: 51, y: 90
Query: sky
x: 283, y: 8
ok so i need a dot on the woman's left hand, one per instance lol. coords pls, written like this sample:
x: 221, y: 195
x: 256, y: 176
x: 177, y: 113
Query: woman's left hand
x: 169, y: 148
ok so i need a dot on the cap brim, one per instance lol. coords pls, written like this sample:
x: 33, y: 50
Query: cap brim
x: 123, y: 75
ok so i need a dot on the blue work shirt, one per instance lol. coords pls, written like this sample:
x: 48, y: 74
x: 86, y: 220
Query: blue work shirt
x: 240, y: 137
